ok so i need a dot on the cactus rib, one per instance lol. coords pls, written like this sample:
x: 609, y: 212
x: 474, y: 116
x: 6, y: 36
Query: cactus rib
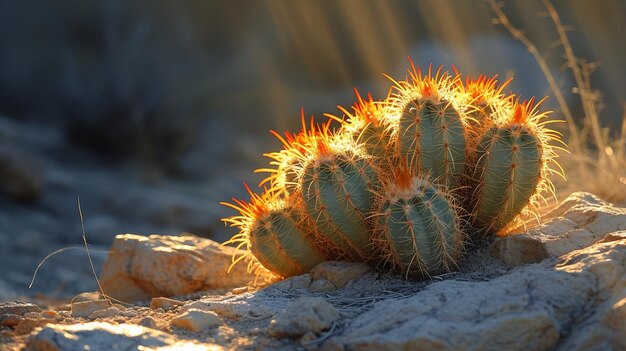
x: 419, y: 228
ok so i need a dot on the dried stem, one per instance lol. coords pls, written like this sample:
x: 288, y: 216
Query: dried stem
x: 581, y: 71
x: 519, y: 35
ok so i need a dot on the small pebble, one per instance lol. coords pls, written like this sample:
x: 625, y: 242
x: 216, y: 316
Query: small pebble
x: 164, y: 303
x: 18, y: 307
x: 321, y: 286
x: 148, y: 322
x: 86, y: 308
x: 196, y: 320
x: 87, y: 296
x: 240, y: 290
x: 105, y: 313
x: 49, y: 314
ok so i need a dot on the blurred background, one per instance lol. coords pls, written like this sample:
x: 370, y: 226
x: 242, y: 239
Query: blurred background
x: 154, y: 111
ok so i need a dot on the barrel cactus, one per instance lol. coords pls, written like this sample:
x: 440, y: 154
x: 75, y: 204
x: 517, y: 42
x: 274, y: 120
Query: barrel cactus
x: 403, y: 182
x: 369, y: 125
x: 337, y: 185
x: 276, y: 232
x: 512, y: 166
x: 418, y: 227
x: 430, y: 130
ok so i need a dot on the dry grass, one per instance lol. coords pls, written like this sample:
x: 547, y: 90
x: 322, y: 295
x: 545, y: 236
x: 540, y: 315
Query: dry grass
x: 597, y: 162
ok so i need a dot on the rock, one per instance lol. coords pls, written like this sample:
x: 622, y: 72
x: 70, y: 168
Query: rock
x: 164, y: 303
x: 140, y: 267
x: 244, y: 306
x: 322, y: 286
x: 102, y: 336
x: 27, y: 325
x: 531, y: 308
x: 581, y: 220
x: 148, y: 322
x: 606, y: 330
x: 10, y: 320
x: 20, y: 174
x: 196, y: 320
x: 86, y: 308
x: 298, y: 282
x: 87, y: 296
x: 239, y: 290
x: 614, y: 236
x: 18, y: 308
x: 306, y: 314
x: 105, y: 313
x: 33, y: 315
x: 339, y: 273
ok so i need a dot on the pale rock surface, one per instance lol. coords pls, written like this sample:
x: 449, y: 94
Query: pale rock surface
x: 297, y: 282
x: 321, y: 286
x: 576, y: 301
x: 86, y: 308
x: 240, y: 306
x: 18, y: 307
x: 105, y: 313
x: 304, y: 315
x: 339, y: 273
x: 577, y: 222
x: 196, y: 320
x: 102, y: 336
x: 88, y: 296
x: 140, y: 267
x: 164, y: 303
x: 532, y: 308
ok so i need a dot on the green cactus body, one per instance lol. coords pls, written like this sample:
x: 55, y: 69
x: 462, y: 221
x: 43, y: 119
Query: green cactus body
x: 279, y: 242
x: 420, y: 230
x: 337, y: 191
x: 509, y: 162
x: 431, y: 136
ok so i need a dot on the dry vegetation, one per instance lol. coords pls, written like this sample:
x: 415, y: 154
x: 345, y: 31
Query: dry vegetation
x: 597, y: 158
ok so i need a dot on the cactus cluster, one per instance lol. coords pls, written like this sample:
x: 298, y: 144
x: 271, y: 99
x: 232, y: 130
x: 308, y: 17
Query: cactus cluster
x: 400, y: 183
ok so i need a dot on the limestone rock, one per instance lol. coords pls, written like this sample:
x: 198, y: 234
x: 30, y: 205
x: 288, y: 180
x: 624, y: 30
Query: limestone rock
x: 101, y: 336
x: 531, y: 308
x: 148, y: 322
x: 88, y: 296
x: 580, y: 220
x: 19, y: 308
x: 298, y: 282
x: 164, y: 303
x: 86, y: 308
x: 239, y: 290
x: 10, y: 320
x: 339, y: 273
x: 196, y: 320
x: 239, y: 307
x: 141, y: 267
x: 321, y: 286
x: 27, y: 325
x: 105, y: 313
x: 304, y: 315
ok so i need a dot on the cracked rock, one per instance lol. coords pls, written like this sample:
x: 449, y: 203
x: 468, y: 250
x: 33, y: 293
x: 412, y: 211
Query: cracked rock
x: 581, y: 220
x: 531, y: 308
x: 196, y: 320
x: 102, y: 336
x: 304, y: 315
x: 141, y: 267
x: 339, y: 273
